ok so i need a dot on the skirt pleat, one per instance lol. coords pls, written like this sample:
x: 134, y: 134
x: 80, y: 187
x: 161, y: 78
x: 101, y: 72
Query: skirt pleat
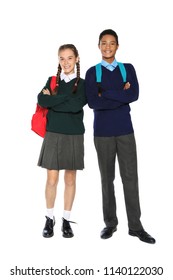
x: 60, y: 151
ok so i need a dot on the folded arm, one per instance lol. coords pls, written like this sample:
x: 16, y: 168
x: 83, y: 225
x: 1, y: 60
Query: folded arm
x: 94, y: 100
x: 125, y: 95
x: 48, y: 101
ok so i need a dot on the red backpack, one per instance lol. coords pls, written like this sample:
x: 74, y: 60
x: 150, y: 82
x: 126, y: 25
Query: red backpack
x: 39, y: 118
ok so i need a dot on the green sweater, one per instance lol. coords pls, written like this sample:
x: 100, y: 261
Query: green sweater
x: 65, y: 113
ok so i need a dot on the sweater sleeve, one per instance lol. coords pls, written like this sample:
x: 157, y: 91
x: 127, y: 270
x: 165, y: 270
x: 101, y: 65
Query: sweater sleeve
x: 48, y: 101
x: 74, y: 103
x: 125, y: 96
x: 94, y: 101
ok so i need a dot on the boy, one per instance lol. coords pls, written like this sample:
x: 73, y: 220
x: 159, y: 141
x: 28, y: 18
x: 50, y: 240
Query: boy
x: 114, y: 135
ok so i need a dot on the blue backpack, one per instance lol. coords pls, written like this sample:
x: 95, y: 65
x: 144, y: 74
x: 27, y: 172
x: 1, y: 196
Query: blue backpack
x: 99, y: 73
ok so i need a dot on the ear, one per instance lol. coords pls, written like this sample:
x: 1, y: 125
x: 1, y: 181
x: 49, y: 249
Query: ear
x: 77, y: 59
x: 117, y: 47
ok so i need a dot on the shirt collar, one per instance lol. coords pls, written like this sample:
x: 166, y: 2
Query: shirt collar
x: 67, y: 78
x: 105, y: 64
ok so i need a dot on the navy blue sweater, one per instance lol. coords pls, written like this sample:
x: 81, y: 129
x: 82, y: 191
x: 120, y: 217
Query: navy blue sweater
x: 111, y: 110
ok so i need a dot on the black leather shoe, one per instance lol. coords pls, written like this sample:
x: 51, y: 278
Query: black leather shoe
x: 66, y: 228
x: 107, y: 232
x: 48, y: 229
x: 143, y: 236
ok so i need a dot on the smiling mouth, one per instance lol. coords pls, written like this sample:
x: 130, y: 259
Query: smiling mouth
x: 107, y: 53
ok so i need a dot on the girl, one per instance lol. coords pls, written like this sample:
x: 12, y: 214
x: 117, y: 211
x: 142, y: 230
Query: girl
x: 63, y: 145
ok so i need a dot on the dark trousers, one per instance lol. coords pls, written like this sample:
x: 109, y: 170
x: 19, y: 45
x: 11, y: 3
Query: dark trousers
x: 124, y: 147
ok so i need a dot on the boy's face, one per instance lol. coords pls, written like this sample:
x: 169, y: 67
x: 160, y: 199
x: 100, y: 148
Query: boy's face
x: 108, y: 47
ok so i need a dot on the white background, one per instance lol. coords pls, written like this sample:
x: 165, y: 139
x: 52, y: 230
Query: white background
x: 31, y: 32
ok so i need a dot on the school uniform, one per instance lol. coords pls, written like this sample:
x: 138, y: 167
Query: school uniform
x: 63, y: 145
x: 114, y: 137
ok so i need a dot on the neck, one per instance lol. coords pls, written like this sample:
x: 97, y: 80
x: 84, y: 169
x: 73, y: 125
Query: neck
x: 108, y: 60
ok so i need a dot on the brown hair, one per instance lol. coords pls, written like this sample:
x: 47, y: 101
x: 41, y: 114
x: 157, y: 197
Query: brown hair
x: 75, y: 51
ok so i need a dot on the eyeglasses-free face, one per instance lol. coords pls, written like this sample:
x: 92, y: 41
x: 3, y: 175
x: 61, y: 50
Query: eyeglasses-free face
x: 67, y: 60
x: 108, y: 47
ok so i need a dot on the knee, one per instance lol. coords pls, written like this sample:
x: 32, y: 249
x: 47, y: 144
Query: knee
x: 70, y: 178
x: 51, y: 183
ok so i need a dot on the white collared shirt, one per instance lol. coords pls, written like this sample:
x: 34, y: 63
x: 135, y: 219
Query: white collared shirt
x: 67, y: 78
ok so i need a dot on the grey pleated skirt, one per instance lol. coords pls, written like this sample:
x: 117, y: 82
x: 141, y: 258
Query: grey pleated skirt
x: 60, y: 151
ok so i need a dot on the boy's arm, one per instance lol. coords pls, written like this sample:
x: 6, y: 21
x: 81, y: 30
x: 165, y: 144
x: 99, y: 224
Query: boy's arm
x: 125, y: 95
x: 94, y: 100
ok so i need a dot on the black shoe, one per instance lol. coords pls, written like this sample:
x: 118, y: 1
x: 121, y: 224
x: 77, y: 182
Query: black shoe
x: 66, y: 228
x: 143, y: 236
x: 107, y: 232
x: 48, y: 229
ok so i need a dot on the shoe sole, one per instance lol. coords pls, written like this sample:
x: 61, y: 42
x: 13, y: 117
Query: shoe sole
x: 66, y: 236
x: 48, y: 236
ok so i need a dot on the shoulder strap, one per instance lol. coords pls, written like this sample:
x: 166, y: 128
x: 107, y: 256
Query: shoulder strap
x: 99, y: 72
x: 123, y: 71
x: 53, y: 82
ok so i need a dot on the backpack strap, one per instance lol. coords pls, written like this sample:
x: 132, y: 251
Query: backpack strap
x: 99, y: 72
x: 98, y: 77
x: 53, y: 82
x: 123, y: 71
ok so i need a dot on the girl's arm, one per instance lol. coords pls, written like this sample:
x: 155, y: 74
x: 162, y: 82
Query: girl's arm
x: 75, y: 103
x: 48, y: 101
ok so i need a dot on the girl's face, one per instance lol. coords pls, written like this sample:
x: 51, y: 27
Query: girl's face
x: 67, y: 61
x: 108, y: 47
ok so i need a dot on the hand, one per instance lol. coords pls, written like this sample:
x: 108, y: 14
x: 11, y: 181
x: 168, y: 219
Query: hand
x: 126, y: 86
x: 46, y: 91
